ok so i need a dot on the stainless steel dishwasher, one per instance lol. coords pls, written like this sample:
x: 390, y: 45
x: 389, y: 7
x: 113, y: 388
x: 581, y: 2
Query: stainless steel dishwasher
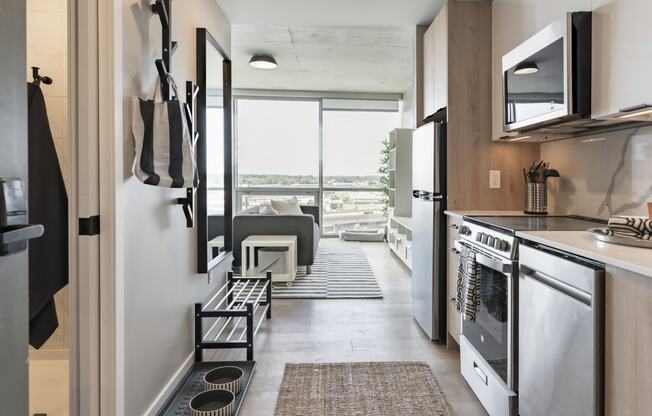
x: 561, y: 326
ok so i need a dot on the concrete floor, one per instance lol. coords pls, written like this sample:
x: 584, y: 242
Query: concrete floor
x: 347, y: 331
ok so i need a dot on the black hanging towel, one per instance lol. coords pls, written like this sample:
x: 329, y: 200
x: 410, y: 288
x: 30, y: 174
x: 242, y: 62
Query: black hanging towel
x: 48, y: 205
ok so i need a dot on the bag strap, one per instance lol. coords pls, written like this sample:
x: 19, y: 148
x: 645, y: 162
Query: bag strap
x: 155, y: 92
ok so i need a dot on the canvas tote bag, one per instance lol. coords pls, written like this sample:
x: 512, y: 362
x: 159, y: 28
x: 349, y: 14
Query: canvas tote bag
x: 165, y: 149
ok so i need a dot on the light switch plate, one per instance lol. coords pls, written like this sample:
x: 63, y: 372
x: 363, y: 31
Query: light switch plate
x: 494, y: 179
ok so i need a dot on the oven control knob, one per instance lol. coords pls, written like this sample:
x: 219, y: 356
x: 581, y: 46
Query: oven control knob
x: 490, y: 241
x: 498, y: 244
x: 479, y: 236
x: 464, y: 230
x: 484, y: 238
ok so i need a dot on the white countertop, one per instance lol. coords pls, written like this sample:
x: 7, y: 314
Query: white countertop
x: 634, y: 259
x: 460, y: 214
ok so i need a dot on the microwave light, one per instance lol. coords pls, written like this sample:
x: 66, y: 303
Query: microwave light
x: 526, y: 68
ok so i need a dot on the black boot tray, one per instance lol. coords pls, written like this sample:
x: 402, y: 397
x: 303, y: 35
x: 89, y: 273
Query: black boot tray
x: 192, y: 384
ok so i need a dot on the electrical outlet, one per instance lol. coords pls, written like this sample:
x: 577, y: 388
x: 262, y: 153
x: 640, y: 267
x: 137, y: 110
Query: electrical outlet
x: 494, y: 179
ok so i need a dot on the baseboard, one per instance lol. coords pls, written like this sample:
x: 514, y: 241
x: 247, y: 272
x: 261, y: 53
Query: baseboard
x: 41, y: 355
x: 169, y: 387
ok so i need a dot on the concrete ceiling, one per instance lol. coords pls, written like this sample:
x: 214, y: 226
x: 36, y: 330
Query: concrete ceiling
x: 327, y: 45
x: 351, y: 59
x: 331, y: 12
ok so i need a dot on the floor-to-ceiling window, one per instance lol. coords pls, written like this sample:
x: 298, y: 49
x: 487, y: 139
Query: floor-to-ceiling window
x: 323, y: 151
x: 277, y: 151
x: 353, y: 132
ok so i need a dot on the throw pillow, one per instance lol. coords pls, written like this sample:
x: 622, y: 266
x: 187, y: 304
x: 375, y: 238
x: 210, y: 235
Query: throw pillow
x: 287, y: 207
x: 267, y: 210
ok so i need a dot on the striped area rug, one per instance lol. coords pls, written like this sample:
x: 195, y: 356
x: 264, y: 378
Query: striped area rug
x: 341, y: 271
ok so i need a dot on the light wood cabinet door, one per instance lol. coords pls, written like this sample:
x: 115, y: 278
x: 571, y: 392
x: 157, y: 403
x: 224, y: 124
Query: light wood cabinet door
x: 628, y: 343
x: 622, y: 58
x: 441, y: 59
x: 452, y: 316
x: 435, y: 64
x: 429, y: 71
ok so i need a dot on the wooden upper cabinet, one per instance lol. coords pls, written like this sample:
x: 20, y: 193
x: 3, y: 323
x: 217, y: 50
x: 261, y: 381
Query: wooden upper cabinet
x: 622, y: 56
x: 435, y: 64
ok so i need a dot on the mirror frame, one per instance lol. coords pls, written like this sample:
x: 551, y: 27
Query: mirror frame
x: 205, y: 264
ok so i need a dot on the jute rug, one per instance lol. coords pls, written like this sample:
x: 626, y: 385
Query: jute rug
x: 361, y: 389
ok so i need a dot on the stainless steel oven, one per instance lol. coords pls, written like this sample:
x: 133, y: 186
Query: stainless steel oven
x: 487, y: 343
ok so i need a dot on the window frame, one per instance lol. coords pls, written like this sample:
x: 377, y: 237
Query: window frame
x: 316, y: 192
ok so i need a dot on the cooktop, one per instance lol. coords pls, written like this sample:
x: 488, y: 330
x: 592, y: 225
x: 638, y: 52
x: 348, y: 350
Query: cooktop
x: 511, y: 224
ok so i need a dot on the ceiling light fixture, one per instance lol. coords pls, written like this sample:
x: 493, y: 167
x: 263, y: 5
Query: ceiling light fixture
x: 263, y: 61
x: 526, y: 68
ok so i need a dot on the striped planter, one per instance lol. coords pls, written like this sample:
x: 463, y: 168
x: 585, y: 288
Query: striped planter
x: 224, y: 378
x: 213, y: 403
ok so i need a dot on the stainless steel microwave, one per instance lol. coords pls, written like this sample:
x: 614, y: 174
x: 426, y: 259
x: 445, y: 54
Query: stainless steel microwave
x: 547, y: 79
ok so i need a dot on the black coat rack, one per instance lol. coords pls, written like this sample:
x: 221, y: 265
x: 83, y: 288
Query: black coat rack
x: 168, y: 46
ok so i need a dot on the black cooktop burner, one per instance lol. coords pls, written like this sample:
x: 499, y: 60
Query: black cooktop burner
x: 535, y: 223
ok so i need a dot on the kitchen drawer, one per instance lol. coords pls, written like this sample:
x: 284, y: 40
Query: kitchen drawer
x: 496, y: 397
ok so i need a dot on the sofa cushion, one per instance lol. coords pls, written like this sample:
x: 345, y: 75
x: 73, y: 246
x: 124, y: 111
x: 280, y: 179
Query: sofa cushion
x: 287, y: 206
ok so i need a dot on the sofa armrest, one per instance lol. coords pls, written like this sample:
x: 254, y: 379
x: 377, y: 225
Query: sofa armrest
x: 312, y: 210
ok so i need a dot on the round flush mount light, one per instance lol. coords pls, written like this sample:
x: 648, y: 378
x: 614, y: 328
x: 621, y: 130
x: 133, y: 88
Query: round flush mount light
x: 526, y: 68
x: 263, y: 61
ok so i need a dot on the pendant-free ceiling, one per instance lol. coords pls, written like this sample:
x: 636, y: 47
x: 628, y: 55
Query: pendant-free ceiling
x: 526, y: 68
x: 263, y: 61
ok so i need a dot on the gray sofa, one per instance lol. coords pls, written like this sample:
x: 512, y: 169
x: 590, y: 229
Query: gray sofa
x: 305, y: 227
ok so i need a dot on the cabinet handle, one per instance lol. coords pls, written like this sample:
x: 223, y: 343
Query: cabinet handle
x: 454, y: 250
x: 455, y: 226
x: 480, y: 373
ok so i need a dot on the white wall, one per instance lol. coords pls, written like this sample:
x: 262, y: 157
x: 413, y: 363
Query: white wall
x: 603, y: 174
x: 47, y: 48
x: 160, y: 282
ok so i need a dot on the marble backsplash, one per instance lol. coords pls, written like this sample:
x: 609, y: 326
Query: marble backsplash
x: 601, y: 175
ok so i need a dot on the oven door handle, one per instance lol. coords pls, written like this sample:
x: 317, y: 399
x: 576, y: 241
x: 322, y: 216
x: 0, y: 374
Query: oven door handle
x: 497, y: 265
x: 504, y: 267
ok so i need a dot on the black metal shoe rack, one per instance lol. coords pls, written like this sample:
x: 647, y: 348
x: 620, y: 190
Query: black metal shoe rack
x: 168, y: 46
x: 240, y: 299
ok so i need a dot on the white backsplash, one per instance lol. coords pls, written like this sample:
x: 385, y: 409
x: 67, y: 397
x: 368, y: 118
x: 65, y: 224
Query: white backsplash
x: 601, y: 175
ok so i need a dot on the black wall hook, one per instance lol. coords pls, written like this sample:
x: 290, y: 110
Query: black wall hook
x: 40, y: 78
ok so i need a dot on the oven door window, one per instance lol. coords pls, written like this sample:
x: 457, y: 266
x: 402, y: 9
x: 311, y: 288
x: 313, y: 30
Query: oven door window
x: 488, y: 333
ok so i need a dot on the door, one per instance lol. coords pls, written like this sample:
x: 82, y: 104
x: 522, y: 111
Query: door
x: 423, y: 271
x: 13, y: 163
x: 560, y: 325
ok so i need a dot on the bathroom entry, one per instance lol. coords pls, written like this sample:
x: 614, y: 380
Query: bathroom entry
x: 49, y: 186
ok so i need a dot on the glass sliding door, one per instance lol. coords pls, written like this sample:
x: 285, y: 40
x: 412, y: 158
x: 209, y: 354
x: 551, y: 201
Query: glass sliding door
x: 352, y: 143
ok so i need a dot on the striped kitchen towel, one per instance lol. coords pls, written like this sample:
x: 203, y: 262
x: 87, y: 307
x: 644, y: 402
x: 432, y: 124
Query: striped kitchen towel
x: 165, y: 154
x: 467, y: 300
x: 629, y: 226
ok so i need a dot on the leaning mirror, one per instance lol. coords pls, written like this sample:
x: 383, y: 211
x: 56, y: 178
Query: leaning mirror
x: 214, y: 210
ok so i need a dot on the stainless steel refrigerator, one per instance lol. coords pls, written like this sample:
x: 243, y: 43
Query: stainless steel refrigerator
x: 428, y: 233
x: 13, y: 164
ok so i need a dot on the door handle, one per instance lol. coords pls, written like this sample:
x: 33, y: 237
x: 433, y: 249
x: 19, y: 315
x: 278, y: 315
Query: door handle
x: 480, y: 373
x: 14, y: 238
